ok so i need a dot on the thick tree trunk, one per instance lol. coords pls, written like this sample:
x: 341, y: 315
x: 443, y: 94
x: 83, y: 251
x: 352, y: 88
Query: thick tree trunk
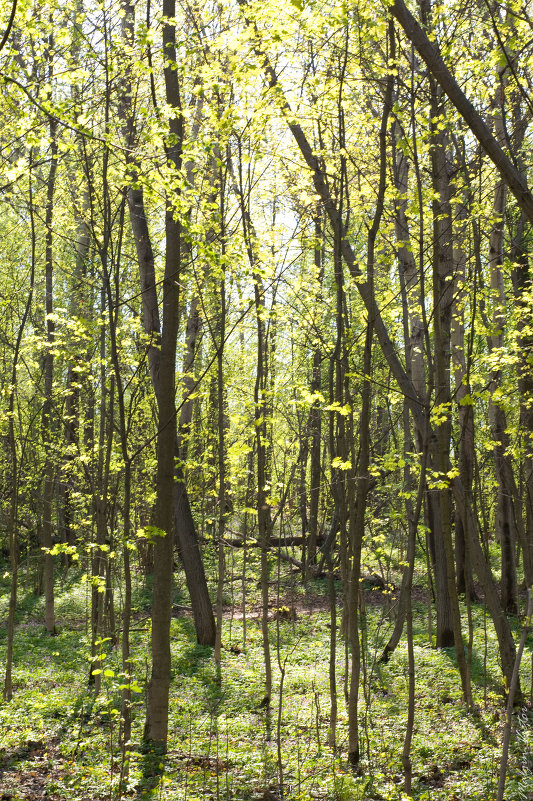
x: 156, y: 729
x: 187, y: 538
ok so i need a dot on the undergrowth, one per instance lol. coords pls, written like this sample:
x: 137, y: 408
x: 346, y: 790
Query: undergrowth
x: 59, y: 741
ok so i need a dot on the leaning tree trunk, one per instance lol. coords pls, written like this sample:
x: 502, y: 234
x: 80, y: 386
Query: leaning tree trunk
x: 429, y: 52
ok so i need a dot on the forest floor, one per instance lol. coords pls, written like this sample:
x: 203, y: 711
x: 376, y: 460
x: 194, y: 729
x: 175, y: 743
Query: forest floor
x: 60, y: 742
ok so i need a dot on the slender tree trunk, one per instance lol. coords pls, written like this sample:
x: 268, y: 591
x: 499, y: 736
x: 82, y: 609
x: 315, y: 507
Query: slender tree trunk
x: 192, y: 333
x: 47, y: 427
x: 490, y: 589
x: 413, y: 516
x: 522, y: 280
x: 463, y: 567
x: 261, y: 412
x: 112, y: 310
x: 416, y: 404
x: 12, y: 532
x: 75, y: 371
x: 263, y: 507
x: 315, y: 417
x: 413, y: 331
x: 356, y: 534
x: 187, y: 538
x: 156, y: 727
x: 442, y: 305
x: 505, y: 519
x: 101, y: 495
x: 332, y: 730
x: 126, y: 623
x: 78, y: 307
x: 222, y: 425
x: 513, y: 688
x: 357, y: 529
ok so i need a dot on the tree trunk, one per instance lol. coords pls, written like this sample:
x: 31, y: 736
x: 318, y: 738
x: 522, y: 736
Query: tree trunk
x: 47, y: 436
x: 12, y: 533
x: 463, y: 397
x: 187, y: 538
x: 357, y: 515
x: 222, y: 426
x: 156, y: 727
x: 443, y: 288
x: 315, y: 417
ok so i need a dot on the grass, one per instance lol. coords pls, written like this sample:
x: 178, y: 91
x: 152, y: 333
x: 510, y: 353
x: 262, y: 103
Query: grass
x: 57, y: 739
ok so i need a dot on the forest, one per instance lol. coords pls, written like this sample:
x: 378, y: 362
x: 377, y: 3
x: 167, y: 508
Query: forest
x: 266, y: 400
